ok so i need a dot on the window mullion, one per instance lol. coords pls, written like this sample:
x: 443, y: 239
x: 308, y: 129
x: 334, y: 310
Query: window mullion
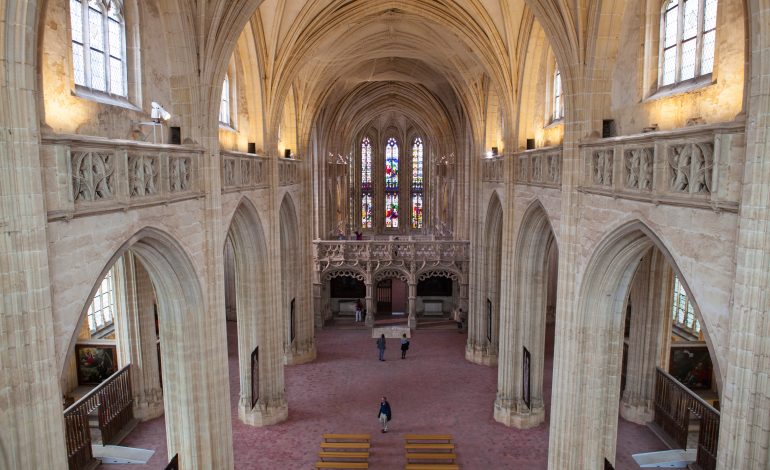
x: 679, y: 34
x: 107, y: 53
x: 86, y: 44
x: 699, y: 36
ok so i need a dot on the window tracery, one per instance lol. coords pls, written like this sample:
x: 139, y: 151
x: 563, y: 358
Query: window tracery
x: 98, y: 46
x: 417, y: 183
x: 682, y: 313
x: 224, y: 102
x: 366, y: 183
x: 558, y: 100
x: 688, y: 38
x: 101, y: 312
x: 391, y: 183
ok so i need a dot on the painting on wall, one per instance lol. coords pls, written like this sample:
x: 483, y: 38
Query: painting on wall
x: 95, y: 363
x: 692, y: 366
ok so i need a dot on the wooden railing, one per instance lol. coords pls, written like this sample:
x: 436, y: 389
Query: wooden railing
x: 254, y: 376
x: 674, y: 405
x: 112, y: 402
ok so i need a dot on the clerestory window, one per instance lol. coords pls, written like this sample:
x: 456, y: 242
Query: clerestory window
x: 99, y: 46
x: 682, y: 313
x: 224, y: 104
x: 688, y: 38
x: 101, y: 312
x: 558, y: 99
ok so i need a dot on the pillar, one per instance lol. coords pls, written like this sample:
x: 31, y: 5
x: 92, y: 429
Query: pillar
x: 370, y: 305
x: 136, y: 338
x: 412, y: 305
x: 650, y: 299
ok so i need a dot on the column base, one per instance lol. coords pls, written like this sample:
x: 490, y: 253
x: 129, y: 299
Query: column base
x: 412, y: 322
x: 636, y: 411
x: 302, y: 355
x: 480, y: 356
x: 263, y: 415
x: 519, y: 417
x: 369, y: 320
x: 147, y: 409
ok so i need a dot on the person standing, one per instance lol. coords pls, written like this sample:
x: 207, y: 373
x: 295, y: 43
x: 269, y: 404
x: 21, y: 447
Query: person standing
x: 381, y: 346
x: 358, y: 311
x: 404, y: 346
x: 384, y: 414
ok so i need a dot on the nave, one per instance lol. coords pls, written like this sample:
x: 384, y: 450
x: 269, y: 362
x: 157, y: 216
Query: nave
x: 340, y: 391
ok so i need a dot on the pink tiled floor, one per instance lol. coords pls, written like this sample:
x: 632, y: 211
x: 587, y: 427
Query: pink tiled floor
x: 435, y: 390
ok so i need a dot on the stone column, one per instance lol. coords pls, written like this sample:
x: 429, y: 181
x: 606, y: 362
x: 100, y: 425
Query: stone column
x: 650, y: 300
x: 31, y: 420
x: 319, y: 301
x: 412, y: 305
x: 137, y: 341
x: 370, y: 305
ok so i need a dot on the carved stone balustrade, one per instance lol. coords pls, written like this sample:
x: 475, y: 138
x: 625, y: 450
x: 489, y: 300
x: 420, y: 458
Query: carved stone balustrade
x: 242, y: 171
x: 412, y: 256
x: 288, y: 172
x: 85, y: 175
x: 493, y: 170
x: 700, y: 166
x: 540, y: 167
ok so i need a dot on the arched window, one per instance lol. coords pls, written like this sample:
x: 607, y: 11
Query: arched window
x: 98, y: 45
x: 224, y: 104
x: 417, y: 183
x: 366, y: 183
x: 391, y: 183
x: 688, y: 36
x: 558, y: 100
x: 101, y: 312
x: 682, y: 313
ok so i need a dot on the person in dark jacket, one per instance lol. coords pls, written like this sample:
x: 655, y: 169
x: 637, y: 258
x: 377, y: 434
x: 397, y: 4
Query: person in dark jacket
x: 384, y: 414
x: 404, y: 346
x: 381, y: 346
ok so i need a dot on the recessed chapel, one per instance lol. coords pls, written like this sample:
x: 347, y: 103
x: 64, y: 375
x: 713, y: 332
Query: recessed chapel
x: 210, y: 210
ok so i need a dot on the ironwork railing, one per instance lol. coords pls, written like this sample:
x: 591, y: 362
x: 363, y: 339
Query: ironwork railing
x: 112, y: 402
x: 675, y: 404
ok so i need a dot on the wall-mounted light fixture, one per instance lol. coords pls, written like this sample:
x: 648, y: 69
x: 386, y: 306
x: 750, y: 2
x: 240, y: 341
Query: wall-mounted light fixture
x: 159, y: 113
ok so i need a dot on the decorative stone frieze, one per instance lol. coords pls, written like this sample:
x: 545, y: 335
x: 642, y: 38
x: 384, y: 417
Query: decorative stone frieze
x: 638, y: 168
x: 143, y: 171
x: 92, y: 175
x: 243, y: 171
x: 492, y: 170
x: 288, y: 172
x: 541, y: 167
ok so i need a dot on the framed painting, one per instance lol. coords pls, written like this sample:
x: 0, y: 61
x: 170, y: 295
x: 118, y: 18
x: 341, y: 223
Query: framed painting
x: 95, y: 363
x: 692, y: 366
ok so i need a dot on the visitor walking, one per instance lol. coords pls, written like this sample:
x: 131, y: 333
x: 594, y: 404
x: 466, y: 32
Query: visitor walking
x: 359, y: 310
x: 384, y: 414
x: 404, y: 346
x: 381, y: 346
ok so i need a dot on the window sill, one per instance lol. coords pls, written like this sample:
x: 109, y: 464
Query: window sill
x: 687, y: 86
x: 104, y: 98
x: 555, y: 123
x: 226, y: 127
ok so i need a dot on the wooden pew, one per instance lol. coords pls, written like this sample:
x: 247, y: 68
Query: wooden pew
x: 430, y: 447
x: 347, y: 437
x: 421, y: 457
x: 342, y: 465
x: 432, y: 466
x: 345, y: 445
x: 423, y: 438
x: 335, y: 456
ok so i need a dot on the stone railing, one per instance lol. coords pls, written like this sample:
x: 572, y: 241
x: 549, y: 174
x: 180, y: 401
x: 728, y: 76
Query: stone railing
x: 492, y: 169
x: 288, y: 172
x: 393, y: 250
x: 539, y: 167
x: 241, y: 171
x: 699, y: 166
x: 86, y: 175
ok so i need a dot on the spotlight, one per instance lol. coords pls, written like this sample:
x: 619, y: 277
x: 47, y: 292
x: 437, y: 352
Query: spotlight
x: 159, y: 113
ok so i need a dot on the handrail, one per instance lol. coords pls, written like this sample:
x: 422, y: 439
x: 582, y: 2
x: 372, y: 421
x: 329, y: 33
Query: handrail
x: 692, y: 394
x: 96, y: 390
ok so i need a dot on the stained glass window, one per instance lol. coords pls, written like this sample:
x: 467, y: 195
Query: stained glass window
x: 682, y: 313
x: 102, y: 309
x: 98, y: 46
x: 417, y: 182
x: 366, y: 183
x: 391, y: 210
x: 688, y: 30
x: 224, y: 103
x: 391, y: 183
x: 558, y: 101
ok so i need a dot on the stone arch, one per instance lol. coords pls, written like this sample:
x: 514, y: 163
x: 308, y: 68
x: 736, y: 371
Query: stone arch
x: 189, y: 381
x: 590, y: 370
x: 487, y: 334
x: 341, y: 272
x: 391, y: 272
x: 439, y: 272
x: 256, y: 325
x: 524, y: 322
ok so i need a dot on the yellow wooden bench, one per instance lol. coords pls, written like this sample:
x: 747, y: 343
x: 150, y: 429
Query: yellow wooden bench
x: 432, y: 466
x: 422, y: 438
x: 325, y: 455
x: 430, y: 447
x: 430, y: 456
x: 347, y: 437
x: 345, y: 445
x: 342, y: 465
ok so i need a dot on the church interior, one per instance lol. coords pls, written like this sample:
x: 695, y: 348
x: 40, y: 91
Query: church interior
x: 554, y: 214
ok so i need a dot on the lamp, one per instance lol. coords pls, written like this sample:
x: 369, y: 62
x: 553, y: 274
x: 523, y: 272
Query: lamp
x: 159, y: 113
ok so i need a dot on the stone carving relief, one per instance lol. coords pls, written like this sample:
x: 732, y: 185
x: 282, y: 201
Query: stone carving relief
x: 288, y: 172
x: 638, y: 165
x: 390, y: 274
x: 690, y: 167
x: 143, y: 175
x: 537, y: 169
x: 601, y: 167
x: 259, y: 177
x: 92, y: 176
x: 180, y: 169
x: 229, y: 172
x: 523, y: 168
x: 438, y: 273
x: 358, y: 275
x: 554, y: 168
x: 245, y: 172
